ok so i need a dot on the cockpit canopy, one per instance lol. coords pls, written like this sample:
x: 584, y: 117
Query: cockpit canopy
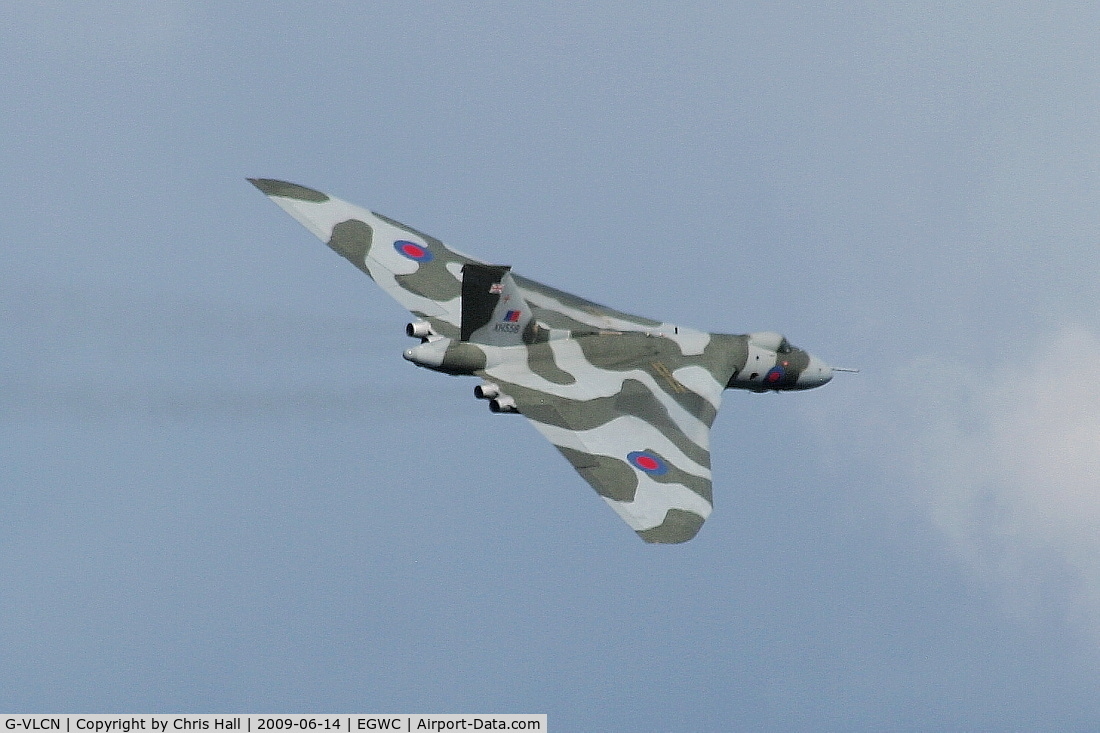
x: 771, y: 341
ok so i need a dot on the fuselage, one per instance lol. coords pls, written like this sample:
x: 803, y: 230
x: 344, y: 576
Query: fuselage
x: 758, y: 362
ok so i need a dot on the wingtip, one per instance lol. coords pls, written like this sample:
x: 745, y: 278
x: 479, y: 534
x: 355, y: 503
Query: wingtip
x: 285, y: 189
x: 679, y: 526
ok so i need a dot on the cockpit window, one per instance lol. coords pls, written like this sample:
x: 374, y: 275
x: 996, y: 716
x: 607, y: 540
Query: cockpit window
x: 784, y: 347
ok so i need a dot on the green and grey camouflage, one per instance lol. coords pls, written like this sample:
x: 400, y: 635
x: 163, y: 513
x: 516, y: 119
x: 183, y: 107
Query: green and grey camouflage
x: 628, y: 401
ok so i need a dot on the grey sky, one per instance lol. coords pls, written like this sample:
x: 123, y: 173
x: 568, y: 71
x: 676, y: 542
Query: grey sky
x: 221, y: 489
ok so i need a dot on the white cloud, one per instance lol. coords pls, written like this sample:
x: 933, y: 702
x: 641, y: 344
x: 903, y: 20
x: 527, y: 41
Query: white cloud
x: 1008, y: 463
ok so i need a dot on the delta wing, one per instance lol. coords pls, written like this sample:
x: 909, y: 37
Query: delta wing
x: 632, y: 413
x: 423, y: 274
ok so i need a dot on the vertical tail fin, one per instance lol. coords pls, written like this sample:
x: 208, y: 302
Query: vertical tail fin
x: 493, y: 311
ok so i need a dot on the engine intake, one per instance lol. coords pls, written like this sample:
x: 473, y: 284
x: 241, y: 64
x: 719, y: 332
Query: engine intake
x: 771, y: 341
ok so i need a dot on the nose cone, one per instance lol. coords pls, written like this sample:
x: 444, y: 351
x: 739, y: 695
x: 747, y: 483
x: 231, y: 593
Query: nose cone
x: 815, y: 374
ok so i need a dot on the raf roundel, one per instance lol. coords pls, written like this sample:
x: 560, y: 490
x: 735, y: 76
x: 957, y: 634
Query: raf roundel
x: 775, y: 374
x: 648, y: 462
x: 412, y: 250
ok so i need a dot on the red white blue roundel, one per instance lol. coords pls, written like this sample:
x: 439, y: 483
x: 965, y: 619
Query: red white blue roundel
x: 774, y: 375
x: 651, y: 463
x: 412, y: 250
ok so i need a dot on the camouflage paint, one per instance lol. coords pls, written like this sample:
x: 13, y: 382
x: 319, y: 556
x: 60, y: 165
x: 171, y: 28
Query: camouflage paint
x: 602, y: 385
